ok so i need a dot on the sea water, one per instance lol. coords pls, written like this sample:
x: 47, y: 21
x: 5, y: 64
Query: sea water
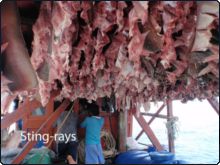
x: 197, y: 135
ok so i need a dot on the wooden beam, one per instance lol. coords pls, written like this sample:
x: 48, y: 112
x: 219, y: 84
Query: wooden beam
x: 155, y: 115
x: 57, y: 113
x: 145, y: 126
x: 170, y: 115
x: 151, y: 120
x: 139, y: 135
x: 215, y: 104
x: 22, y: 110
x: 25, y: 109
x: 43, y: 128
x: 49, y: 107
x: 34, y: 123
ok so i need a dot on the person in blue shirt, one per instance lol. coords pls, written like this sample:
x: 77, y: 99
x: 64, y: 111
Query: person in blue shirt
x: 93, y: 125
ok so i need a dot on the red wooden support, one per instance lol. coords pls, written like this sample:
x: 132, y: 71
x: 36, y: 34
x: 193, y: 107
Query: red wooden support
x: 99, y: 103
x: 145, y: 126
x: 155, y: 115
x: 139, y: 135
x: 49, y: 110
x: 214, y: 103
x: 76, y: 106
x: 56, y: 114
x: 19, y: 113
x: 27, y: 115
x: 130, y: 124
x: 170, y: 115
x: 43, y: 128
x: 151, y: 120
x: 34, y: 121
x: 50, y: 107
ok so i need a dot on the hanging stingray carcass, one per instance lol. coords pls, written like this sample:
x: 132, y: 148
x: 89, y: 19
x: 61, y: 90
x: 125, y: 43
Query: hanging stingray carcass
x: 17, y: 73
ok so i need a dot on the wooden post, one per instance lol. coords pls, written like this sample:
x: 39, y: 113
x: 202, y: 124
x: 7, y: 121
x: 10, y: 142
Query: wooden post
x: 214, y: 103
x: 130, y: 124
x: 170, y: 115
x: 76, y: 106
x: 122, y: 130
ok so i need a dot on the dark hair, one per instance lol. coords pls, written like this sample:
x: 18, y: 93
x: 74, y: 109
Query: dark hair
x: 93, y: 109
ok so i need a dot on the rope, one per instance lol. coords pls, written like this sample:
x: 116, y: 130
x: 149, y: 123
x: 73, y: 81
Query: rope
x: 109, y: 144
x: 108, y: 151
x: 61, y: 125
x: 172, y: 127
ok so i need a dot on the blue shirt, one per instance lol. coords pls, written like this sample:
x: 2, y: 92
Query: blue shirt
x: 93, y: 127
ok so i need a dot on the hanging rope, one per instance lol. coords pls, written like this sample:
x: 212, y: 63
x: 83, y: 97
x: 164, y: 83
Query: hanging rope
x: 108, y: 149
x: 172, y: 127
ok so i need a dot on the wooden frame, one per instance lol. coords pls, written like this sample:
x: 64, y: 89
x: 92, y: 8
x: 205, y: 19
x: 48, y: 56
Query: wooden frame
x: 43, y: 128
x: 148, y: 131
x: 151, y: 120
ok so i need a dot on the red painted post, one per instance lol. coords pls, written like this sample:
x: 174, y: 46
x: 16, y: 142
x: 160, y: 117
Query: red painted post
x: 170, y: 115
x: 130, y: 124
x: 99, y: 103
x: 214, y: 103
x: 76, y: 106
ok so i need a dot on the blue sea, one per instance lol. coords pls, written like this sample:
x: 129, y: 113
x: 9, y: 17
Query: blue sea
x: 197, y: 140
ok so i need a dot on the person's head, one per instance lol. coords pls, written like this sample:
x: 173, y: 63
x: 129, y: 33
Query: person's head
x: 93, y: 109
